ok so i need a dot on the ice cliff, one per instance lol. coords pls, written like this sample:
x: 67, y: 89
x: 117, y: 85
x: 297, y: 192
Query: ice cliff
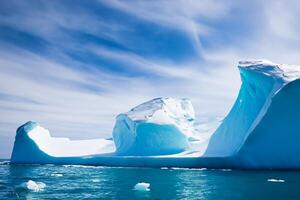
x: 263, y: 126
x: 262, y: 130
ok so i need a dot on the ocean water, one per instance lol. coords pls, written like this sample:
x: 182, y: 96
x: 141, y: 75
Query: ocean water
x: 87, y: 182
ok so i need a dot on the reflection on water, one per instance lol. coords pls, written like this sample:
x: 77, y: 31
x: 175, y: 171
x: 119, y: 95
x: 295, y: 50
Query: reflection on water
x: 78, y: 182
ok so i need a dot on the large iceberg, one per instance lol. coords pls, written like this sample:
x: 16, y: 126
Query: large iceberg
x: 262, y: 130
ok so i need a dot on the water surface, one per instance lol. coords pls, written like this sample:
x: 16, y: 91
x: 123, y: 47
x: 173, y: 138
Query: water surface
x: 87, y: 182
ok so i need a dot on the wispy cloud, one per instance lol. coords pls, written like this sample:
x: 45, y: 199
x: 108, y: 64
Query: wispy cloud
x: 282, y: 18
x: 186, y: 16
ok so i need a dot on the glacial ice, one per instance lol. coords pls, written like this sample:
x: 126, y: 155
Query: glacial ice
x: 261, y: 80
x: 160, y: 126
x: 33, y: 139
x: 261, y: 131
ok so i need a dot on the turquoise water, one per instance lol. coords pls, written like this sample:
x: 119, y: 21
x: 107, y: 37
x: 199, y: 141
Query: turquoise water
x: 83, y: 182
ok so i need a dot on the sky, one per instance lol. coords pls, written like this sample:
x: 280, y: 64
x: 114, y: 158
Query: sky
x: 74, y: 65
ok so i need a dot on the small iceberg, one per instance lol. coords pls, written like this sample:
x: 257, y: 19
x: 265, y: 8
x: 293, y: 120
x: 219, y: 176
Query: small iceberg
x: 57, y: 175
x: 276, y: 180
x: 226, y: 170
x: 33, y: 186
x: 142, y: 187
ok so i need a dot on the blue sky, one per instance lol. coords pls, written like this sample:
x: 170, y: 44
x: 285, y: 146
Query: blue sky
x: 73, y: 66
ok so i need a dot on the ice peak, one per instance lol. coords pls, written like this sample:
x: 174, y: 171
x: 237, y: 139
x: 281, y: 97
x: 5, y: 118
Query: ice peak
x: 282, y: 71
x: 175, y: 108
x: 27, y: 126
x: 250, y: 63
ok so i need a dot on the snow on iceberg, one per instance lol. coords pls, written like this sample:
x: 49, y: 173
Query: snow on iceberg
x: 160, y: 126
x: 261, y: 131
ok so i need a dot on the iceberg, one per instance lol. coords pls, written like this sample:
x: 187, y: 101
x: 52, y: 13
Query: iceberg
x: 276, y: 180
x: 159, y: 126
x: 262, y: 128
x: 261, y: 131
x: 34, y: 144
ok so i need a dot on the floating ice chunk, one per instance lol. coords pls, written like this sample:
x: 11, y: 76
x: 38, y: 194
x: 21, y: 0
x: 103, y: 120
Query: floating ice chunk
x: 276, y: 180
x: 164, y: 168
x: 33, y: 186
x: 226, y: 170
x: 56, y: 174
x: 143, y: 187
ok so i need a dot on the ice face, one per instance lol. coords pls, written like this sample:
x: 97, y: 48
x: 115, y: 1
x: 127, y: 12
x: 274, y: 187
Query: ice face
x: 159, y: 126
x: 258, y: 113
x: 273, y: 141
x: 258, y: 86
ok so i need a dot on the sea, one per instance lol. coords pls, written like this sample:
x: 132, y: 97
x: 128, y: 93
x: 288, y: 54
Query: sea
x: 90, y: 182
